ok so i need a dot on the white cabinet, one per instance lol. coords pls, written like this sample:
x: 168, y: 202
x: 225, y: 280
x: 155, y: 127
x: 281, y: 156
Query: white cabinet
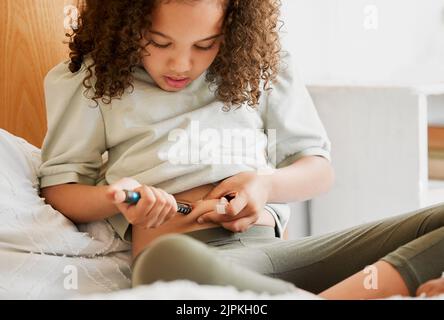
x: 433, y: 97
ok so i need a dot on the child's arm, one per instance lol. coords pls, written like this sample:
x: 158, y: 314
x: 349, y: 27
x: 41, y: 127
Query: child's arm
x: 84, y: 203
x: 305, y: 179
x: 80, y: 203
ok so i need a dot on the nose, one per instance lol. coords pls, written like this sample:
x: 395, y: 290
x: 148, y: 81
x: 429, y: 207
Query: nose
x: 180, y: 63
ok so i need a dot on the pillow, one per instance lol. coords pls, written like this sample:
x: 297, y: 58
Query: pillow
x: 27, y: 223
x: 18, y: 167
x: 25, y: 218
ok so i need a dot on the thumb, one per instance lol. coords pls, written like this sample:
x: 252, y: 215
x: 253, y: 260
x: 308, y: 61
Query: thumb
x: 115, y: 195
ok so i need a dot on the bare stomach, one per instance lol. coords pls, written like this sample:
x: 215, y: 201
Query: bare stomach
x: 185, y: 223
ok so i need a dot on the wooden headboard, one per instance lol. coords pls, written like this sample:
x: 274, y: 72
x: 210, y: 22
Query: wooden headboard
x: 32, y: 33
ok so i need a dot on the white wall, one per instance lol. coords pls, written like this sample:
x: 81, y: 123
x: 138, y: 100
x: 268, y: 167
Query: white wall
x: 332, y: 42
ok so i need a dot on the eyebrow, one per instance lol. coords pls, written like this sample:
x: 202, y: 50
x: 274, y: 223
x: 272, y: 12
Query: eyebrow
x: 168, y: 37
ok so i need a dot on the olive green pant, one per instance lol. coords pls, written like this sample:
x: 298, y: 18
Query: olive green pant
x: 255, y: 260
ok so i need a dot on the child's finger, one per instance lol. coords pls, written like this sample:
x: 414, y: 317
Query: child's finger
x: 240, y: 225
x: 237, y: 204
x: 200, y: 208
x: 119, y: 196
x: 171, y: 200
x: 221, y: 206
x: 156, y: 210
x: 111, y: 194
x: 214, y: 217
x: 167, y: 209
x: 146, y: 202
x: 115, y: 196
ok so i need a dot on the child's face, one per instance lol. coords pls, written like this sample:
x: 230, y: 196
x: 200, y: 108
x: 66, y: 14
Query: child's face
x: 179, y: 28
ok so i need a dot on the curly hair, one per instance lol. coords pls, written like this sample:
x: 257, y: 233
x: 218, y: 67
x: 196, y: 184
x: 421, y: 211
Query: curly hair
x: 110, y: 32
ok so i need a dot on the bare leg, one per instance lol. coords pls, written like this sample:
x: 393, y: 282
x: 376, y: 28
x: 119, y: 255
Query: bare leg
x: 380, y: 280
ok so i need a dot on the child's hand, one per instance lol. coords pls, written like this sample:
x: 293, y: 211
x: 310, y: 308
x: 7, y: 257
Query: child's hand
x: 431, y: 288
x: 153, y: 209
x: 250, y: 192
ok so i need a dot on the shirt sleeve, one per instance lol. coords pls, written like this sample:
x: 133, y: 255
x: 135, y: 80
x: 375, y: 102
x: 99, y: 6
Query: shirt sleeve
x: 292, y: 123
x: 75, y: 140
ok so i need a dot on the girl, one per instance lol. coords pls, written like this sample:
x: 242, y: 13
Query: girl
x: 193, y: 101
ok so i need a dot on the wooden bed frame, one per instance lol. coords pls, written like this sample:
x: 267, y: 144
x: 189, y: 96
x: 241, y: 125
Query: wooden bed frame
x: 32, y: 34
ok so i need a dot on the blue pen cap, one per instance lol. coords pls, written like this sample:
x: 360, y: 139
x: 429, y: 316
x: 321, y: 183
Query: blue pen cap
x: 131, y: 196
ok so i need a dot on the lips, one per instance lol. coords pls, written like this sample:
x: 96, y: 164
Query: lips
x: 177, y: 78
x: 176, y: 82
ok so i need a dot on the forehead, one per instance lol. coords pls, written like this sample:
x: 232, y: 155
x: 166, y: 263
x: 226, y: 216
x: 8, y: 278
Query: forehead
x: 188, y: 20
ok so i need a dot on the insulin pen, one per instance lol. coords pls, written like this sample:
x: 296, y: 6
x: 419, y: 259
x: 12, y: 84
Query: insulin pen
x: 134, y: 197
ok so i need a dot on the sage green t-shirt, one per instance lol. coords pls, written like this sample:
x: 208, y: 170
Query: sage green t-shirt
x: 174, y: 140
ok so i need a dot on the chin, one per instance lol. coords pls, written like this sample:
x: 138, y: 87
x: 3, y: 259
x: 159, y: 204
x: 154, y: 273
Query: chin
x: 165, y: 88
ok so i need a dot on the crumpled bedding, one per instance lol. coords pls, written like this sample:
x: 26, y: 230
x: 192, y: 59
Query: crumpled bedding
x: 44, y: 256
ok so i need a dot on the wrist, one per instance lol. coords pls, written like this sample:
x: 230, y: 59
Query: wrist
x: 109, y: 196
x: 267, y: 185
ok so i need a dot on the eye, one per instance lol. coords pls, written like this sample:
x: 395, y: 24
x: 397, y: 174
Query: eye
x: 205, y: 48
x: 163, y: 46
